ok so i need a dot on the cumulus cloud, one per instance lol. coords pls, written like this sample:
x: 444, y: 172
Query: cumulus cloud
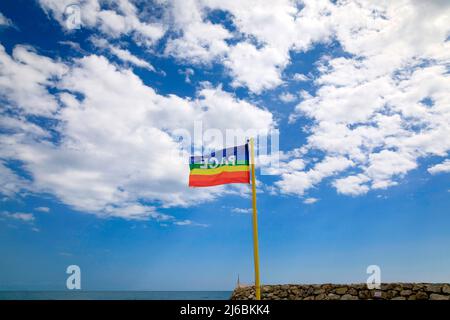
x: 115, y: 153
x: 277, y: 27
x: 254, y: 44
x: 35, y: 74
x: 287, y: 97
x: 440, y: 167
x: 255, y: 47
x: 385, y: 104
x: 114, y: 19
x: 352, y: 185
x: 297, y: 182
x: 257, y: 69
x: 197, y: 40
x: 373, y: 110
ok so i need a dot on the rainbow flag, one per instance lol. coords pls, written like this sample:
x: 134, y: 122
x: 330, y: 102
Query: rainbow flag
x: 229, y: 165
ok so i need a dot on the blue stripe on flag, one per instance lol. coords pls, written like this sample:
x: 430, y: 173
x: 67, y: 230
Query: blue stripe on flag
x: 246, y: 153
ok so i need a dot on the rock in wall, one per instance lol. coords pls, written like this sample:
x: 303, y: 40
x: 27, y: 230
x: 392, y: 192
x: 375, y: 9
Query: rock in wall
x: 388, y: 291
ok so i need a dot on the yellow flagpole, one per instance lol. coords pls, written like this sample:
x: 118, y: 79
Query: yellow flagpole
x: 255, y: 222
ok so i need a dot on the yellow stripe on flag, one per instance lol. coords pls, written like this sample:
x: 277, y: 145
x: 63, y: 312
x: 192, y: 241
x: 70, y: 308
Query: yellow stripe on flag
x: 219, y: 170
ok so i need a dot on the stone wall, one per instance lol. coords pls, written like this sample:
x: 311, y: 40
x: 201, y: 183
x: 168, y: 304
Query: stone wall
x: 389, y: 291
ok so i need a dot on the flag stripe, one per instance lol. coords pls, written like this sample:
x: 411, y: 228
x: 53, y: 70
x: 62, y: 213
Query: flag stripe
x: 220, y: 178
x: 247, y: 156
x: 200, y: 165
x: 217, y: 170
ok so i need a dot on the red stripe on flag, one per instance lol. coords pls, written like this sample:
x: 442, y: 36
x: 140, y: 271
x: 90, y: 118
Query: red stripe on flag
x: 204, y: 180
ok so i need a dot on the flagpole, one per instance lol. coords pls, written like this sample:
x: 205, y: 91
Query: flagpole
x: 255, y: 222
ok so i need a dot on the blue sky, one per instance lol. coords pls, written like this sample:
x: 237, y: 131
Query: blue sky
x: 88, y: 118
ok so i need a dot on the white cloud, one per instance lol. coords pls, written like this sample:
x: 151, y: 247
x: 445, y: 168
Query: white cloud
x: 183, y: 223
x: 277, y: 163
x: 114, y: 19
x: 10, y: 183
x: 278, y: 27
x: 42, y: 209
x: 189, y: 223
x: 300, y: 77
x: 384, y: 165
x: 241, y: 210
x: 352, y: 185
x: 297, y: 182
x: 122, y: 54
x: 20, y: 216
x: 201, y: 41
x: 74, y: 45
x: 4, y: 21
x: 27, y: 219
x: 255, y: 48
x: 367, y: 110
x: 310, y: 200
x: 385, y: 104
x: 115, y: 149
x: 266, y: 31
x: 440, y: 167
x: 287, y: 97
x: 387, y: 37
x: 257, y: 69
x: 35, y: 74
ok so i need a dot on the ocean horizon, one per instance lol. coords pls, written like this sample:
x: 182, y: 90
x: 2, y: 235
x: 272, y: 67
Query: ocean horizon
x: 115, y: 295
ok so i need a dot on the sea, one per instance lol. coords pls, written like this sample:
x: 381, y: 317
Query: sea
x: 115, y: 295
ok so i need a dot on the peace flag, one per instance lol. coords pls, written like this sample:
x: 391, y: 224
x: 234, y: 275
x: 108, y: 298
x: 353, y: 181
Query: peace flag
x: 229, y: 165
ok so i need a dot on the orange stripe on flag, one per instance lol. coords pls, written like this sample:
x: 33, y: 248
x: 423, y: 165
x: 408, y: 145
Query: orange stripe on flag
x: 196, y: 180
